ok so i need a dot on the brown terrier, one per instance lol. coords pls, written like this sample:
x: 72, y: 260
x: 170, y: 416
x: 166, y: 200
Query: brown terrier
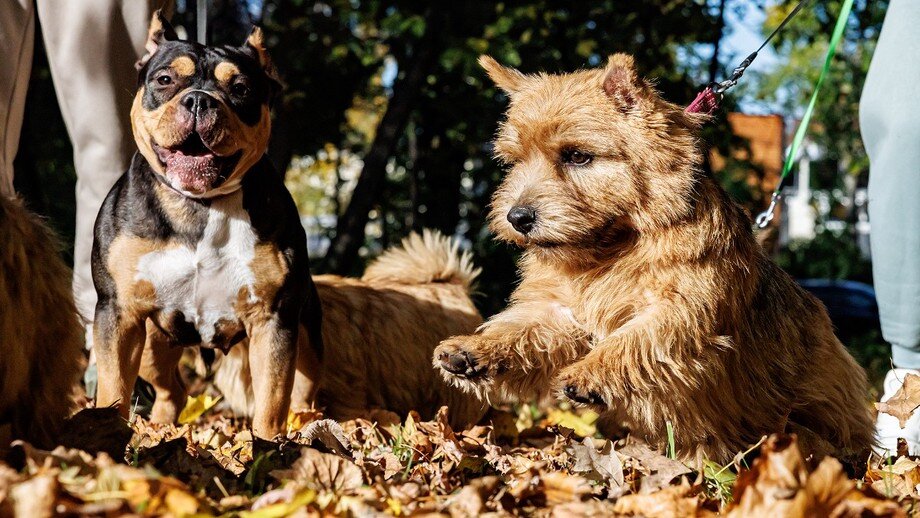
x: 643, y: 290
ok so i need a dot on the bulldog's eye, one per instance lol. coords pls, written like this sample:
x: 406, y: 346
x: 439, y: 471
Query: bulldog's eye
x: 576, y: 157
x: 239, y: 89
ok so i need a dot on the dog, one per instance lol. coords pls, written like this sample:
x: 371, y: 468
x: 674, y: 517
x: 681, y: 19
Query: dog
x: 41, y: 338
x: 200, y: 242
x: 384, y: 327
x: 643, y: 291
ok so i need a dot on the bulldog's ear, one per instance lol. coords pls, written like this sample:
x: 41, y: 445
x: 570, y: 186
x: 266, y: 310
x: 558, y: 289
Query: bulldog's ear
x: 508, y: 79
x: 255, y: 44
x: 621, y: 82
x: 160, y: 30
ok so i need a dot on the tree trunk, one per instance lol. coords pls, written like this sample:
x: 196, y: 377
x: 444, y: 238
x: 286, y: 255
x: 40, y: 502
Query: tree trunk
x: 716, y: 43
x: 349, y: 235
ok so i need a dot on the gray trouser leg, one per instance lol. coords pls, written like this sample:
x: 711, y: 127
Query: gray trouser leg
x: 92, y: 47
x: 890, y: 123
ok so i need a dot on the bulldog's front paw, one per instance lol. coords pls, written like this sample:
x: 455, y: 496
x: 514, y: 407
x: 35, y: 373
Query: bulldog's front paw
x: 465, y: 361
x: 583, y: 385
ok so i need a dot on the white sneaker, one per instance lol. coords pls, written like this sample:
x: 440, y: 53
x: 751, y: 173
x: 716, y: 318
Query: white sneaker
x: 887, y: 427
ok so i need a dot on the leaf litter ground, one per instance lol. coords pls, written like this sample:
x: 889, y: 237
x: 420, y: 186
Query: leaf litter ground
x: 547, y: 462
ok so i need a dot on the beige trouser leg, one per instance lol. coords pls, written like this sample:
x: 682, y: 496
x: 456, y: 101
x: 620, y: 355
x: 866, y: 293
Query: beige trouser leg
x: 17, y: 33
x: 92, y: 46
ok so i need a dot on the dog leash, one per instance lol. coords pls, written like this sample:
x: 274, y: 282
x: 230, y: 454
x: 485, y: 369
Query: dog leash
x: 708, y: 100
x: 764, y: 218
x: 201, y: 21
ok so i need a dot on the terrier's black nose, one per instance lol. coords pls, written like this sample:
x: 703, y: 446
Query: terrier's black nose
x: 197, y: 101
x: 522, y: 219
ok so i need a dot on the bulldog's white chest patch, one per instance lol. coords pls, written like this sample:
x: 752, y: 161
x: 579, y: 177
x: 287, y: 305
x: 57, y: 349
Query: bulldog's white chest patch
x: 203, y: 282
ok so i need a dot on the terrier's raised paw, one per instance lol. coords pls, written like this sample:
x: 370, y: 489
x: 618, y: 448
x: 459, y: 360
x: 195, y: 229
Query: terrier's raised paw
x: 460, y: 363
x: 457, y: 357
x: 581, y: 386
x: 590, y: 398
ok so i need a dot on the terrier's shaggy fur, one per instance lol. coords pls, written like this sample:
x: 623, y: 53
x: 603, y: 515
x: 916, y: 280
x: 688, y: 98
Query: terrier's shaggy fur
x: 643, y: 290
x: 381, y: 331
x: 41, y: 339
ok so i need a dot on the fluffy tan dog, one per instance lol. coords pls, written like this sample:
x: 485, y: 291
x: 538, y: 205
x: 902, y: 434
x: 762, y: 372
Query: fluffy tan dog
x: 380, y: 332
x: 643, y: 291
x: 41, y: 341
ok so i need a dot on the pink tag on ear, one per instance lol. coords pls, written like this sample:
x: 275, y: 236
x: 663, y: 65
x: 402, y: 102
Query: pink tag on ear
x: 706, y: 102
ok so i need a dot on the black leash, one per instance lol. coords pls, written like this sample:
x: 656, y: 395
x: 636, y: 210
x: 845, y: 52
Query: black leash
x: 708, y: 100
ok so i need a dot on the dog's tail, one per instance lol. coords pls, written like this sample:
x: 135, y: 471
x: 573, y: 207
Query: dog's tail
x: 422, y: 259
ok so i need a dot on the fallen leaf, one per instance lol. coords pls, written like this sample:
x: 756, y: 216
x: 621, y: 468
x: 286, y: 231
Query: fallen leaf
x: 196, y: 406
x: 181, y: 503
x: 601, y: 465
x: 471, y: 500
x: 329, y: 433
x: 35, y: 497
x: 280, y: 508
x: 904, y: 401
x: 668, y: 502
x: 582, y: 424
x: 322, y: 471
x: 898, y: 479
x: 297, y: 420
x: 779, y: 483
x: 391, y: 465
x: 561, y: 487
x: 659, y: 470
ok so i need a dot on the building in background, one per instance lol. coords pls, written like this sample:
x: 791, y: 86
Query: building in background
x: 805, y: 207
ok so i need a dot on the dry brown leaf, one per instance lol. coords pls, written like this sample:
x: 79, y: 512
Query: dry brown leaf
x: 391, y: 465
x: 322, y: 471
x: 330, y: 434
x: 35, y: 498
x: 669, y: 502
x: 586, y: 509
x: 181, y: 503
x: 780, y: 484
x: 561, y: 488
x: 601, y: 465
x: 904, y: 401
x: 659, y: 470
x: 898, y: 479
x: 471, y: 500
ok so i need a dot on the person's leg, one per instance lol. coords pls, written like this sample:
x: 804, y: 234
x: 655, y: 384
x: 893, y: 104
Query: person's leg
x: 17, y: 39
x: 888, y: 119
x: 92, y: 48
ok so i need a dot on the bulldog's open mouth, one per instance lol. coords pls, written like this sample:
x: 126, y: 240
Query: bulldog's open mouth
x: 193, y: 167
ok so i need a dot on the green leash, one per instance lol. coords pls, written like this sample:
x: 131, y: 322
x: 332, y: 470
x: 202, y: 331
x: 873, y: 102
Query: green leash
x: 765, y: 217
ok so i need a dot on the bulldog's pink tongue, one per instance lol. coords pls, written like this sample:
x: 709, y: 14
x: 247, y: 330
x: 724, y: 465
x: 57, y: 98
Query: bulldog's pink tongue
x: 195, y: 173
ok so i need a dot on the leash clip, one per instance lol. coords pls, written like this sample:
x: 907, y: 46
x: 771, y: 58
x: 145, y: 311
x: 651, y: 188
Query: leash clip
x: 764, y: 218
x: 720, y: 87
x: 732, y: 80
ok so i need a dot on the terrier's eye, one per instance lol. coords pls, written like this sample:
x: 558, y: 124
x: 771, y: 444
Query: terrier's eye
x: 576, y: 157
x: 164, y: 80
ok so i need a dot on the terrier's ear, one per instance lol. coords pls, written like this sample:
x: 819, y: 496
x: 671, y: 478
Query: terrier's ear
x: 255, y: 44
x: 508, y: 79
x: 621, y: 83
x: 160, y: 30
